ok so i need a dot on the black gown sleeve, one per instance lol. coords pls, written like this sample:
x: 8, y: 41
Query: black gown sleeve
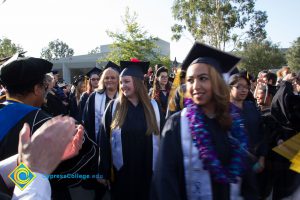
x: 162, y: 117
x: 88, y: 116
x: 285, y: 109
x: 73, y: 107
x: 82, y: 102
x: 105, y: 149
x: 168, y: 180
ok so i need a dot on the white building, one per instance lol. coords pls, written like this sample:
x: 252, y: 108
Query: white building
x: 75, y: 65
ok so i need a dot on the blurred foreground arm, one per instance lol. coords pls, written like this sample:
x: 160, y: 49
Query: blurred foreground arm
x: 56, y: 140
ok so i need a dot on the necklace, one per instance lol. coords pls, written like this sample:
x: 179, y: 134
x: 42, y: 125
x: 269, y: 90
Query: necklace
x: 203, y: 142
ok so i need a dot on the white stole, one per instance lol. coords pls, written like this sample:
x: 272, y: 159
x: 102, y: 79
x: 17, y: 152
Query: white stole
x: 198, y: 183
x: 99, y: 111
x: 116, y: 140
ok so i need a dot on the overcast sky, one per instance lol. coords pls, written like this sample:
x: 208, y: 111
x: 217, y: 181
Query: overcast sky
x: 82, y: 24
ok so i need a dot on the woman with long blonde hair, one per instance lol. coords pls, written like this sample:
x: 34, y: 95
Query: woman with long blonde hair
x: 202, y: 150
x: 132, y: 124
x: 94, y: 111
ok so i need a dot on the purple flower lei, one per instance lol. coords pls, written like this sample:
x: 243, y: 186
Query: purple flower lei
x: 202, y: 141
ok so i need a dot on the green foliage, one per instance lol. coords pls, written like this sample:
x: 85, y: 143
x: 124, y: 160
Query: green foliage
x: 56, y: 49
x: 133, y: 43
x: 8, y: 48
x: 293, y: 55
x: 257, y: 56
x: 94, y: 51
x: 164, y: 60
x: 213, y: 21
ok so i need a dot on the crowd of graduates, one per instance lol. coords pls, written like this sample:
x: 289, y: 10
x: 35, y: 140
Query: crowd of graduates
x: 201, y: 131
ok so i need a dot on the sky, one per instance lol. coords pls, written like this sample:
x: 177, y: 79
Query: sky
x: 83, y: 24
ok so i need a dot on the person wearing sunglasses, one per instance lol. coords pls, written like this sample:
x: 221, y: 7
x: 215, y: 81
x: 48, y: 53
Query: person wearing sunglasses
x: 92, y: 84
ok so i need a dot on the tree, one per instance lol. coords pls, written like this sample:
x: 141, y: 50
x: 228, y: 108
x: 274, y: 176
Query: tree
x: 133, y: 43
x: 214, y: 21
x: 94, y: 51
x: 56, y: 49
x: 257, y: 56
x: 8, y: 48
x: 293, y: 55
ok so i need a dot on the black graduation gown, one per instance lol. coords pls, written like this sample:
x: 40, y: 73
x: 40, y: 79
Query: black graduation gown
x: 257, y: 146
x: 164, y: 102
x: 88, y: 119
x: 266, y: 179
x: 169, y: 178
x: 133, y: 179
x: 285, y: 110
x: 253, y: 124
x: 286, y: 107
x: 82, y: 102
x: 74, y: 107
x: 54, y: 105
x: 9, y: 144
x: 88, y: 116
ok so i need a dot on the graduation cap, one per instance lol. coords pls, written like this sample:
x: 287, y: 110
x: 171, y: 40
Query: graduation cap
x: 24, y: 71
x: 134, y: 68
x: 112, y: 65
x: 95, y: 70
x: 9, y: 59
x: 54, y: 71
x: 78, y: 79
x: 201, y: 53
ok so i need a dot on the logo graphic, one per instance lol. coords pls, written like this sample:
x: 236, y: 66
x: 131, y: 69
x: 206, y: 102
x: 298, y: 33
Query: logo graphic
x: 22, y: 176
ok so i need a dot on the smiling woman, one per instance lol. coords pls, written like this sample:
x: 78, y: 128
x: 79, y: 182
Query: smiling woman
x: 202, y: 151
x: 131, y: 126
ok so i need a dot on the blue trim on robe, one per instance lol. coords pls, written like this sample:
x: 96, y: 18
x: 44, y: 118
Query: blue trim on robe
x: 11, y: 114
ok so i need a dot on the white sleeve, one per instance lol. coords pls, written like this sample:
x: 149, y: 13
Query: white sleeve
x: 38, y: 189
x: 6, y: 167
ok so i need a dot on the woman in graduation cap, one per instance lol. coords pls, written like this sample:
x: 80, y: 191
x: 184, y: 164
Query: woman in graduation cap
x: 202, y: 149
x: 98, y: 100
x: 161, y: 88
x: 92, y: 85
x: 131, y: 127
x: 94, y: 110
x: 76, y: 91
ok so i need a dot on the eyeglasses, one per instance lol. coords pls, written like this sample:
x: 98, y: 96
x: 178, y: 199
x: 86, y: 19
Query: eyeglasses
x: 241, y: 87
x: 95, y: 79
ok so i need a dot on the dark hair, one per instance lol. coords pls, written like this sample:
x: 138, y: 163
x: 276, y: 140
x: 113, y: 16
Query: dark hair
x: 272, y: 76
x: 236, y: 77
